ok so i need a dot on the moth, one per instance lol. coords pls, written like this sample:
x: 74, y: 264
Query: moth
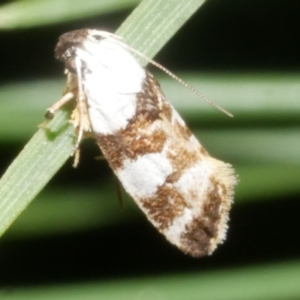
x: 183, y: 191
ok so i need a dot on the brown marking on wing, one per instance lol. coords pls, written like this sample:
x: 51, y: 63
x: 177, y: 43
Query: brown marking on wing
x: 201, y: 234
x: 112, y: 149
x: 181, y: 158
x: 147, y: 100
x: 183, y: 131
x: 167, y: 111
x: 136, y: 142
x: 152, y: 86
x: 165, y: 206
x: 129, y: 144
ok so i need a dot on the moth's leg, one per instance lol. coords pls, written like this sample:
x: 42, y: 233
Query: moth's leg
x: 76, y: 155
x: 58, y: 104
x: 55, y: 107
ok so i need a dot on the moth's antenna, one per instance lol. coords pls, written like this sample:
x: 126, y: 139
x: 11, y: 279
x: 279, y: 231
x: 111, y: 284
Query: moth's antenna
x: 159, y: 66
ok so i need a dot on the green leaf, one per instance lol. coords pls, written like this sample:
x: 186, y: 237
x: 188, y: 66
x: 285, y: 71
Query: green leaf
x: 34, y: 167
x: 29, y: 13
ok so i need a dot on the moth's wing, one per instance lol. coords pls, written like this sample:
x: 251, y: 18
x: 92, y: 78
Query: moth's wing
x: 183, y: 191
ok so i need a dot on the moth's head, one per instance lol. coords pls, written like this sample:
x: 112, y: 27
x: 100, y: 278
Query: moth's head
x: 67, y: 43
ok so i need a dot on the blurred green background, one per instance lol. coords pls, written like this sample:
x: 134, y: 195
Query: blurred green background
x: 74, y: 241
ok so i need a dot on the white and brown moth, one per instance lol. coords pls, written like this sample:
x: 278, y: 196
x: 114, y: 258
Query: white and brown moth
x: 184, y: 192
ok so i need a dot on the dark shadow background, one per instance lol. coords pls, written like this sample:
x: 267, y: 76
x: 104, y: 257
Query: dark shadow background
x: 232, y: 35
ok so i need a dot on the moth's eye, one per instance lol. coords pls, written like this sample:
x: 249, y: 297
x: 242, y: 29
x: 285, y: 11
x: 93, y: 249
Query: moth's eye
x: 96, y: 38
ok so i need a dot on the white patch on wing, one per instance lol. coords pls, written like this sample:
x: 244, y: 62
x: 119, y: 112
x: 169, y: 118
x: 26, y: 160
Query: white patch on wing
x: 141, y: 177
x: 193, y: 183
x: 110, y: 113
x: 111, y: 80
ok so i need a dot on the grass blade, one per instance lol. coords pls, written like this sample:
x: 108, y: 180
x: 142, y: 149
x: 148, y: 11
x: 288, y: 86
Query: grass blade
x: 30, y: 13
